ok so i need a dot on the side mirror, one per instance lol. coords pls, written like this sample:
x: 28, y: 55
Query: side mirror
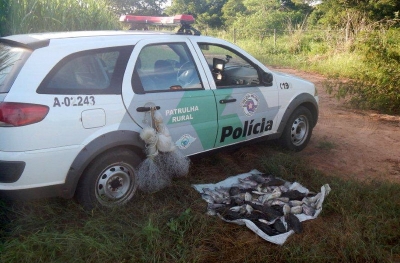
x: 267, y: 78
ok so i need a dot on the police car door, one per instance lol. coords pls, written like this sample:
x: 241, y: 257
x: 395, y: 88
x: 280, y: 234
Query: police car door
x: 246, y: 108
x: 164, y: 74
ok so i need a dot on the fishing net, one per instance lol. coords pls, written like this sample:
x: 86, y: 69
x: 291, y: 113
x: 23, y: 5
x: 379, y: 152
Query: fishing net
x: 151, y: 176
x: 175, y: 163
x: 164, y: 161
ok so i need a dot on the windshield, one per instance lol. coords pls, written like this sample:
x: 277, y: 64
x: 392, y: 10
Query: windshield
x: 11, y: 61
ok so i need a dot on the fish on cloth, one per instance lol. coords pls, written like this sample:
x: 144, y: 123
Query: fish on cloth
x: 269, y: 206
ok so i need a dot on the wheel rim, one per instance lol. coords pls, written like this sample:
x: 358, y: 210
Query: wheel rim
x: 115, y: 185
x: 299, y: 131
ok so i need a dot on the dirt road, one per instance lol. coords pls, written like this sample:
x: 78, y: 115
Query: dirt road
x: 352, y: 143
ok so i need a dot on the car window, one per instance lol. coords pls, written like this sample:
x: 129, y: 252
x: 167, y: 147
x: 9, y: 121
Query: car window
x: 92, y: 71
x: 229, y: 69
x: 165, y: 67
x: 11, y: 61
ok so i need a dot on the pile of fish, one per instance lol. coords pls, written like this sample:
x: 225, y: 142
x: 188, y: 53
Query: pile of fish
x: 272, y: 204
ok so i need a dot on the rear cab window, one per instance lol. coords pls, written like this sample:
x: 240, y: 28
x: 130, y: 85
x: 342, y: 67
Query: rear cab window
x: 11, y: 61
x: 96, y: 71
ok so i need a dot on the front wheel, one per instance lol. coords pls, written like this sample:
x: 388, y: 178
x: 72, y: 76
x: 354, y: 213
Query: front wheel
x: 298, y: 130
x: 110, y: 181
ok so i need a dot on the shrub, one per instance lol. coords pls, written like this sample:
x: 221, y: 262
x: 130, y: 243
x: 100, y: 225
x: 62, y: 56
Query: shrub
x: 376, y: 86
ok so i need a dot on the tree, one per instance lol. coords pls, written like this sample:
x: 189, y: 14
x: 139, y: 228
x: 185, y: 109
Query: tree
x: 258, y: 16
x: 341, y: 13
x: 139, y: 7
x: 206, y: 12
x: 231, y: 10
x: 4, y: 9
x: 212, y: 15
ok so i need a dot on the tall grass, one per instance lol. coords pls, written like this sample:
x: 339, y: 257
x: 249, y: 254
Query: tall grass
x: 31, y: 16
x: 359, y: 222
x: 377, y: 85
x: 315, y: 50
x: 370, y: 60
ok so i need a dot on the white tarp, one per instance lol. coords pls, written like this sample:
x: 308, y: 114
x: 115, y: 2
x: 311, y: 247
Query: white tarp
x: 278, y: 239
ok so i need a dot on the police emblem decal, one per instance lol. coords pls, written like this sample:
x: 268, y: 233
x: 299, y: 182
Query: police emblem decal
x: 185, y: 141
x: 250, y: 104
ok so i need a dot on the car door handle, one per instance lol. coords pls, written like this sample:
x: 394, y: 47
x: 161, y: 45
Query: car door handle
x: 145, y: 109
x: 227, y: 101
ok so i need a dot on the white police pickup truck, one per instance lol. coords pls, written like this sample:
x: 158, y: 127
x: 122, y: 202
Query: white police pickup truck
x: 72, y: 106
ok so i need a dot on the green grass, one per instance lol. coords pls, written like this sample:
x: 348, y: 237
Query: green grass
x: 325, y: 144
x: 359, y: 222
x: 370, y: 60
x: 324, y: 61
x: 32, y: 16
x: 343, y: 64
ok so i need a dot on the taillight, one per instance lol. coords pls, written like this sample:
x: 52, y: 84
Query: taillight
x: 20, y: 114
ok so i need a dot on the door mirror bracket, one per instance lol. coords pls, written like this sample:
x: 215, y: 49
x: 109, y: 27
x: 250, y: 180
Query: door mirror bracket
x: 267, y: 78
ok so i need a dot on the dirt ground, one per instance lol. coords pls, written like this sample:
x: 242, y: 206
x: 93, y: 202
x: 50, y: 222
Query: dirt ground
x: 352, y: 143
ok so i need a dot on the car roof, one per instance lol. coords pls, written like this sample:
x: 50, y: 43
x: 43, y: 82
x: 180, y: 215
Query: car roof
x: 39, y: 40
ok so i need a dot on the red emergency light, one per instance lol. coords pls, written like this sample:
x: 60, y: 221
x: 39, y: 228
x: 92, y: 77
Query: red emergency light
x: 158, y: 20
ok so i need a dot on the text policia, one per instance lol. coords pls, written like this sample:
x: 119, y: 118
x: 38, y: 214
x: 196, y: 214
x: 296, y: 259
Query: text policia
x: 247, y: 130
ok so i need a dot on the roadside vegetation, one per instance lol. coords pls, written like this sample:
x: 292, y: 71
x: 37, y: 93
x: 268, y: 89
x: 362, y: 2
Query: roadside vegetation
x: 365, y: 70
x: 33, y: 16
x: 355, y: 43
x: 359, y: 221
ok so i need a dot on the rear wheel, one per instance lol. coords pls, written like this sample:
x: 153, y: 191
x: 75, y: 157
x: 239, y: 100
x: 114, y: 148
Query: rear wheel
x: 298, y: 130
x: 109, y: 181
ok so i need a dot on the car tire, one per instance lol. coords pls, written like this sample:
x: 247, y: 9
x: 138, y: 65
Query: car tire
x: 109, y: 181
x: 298, y: 130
